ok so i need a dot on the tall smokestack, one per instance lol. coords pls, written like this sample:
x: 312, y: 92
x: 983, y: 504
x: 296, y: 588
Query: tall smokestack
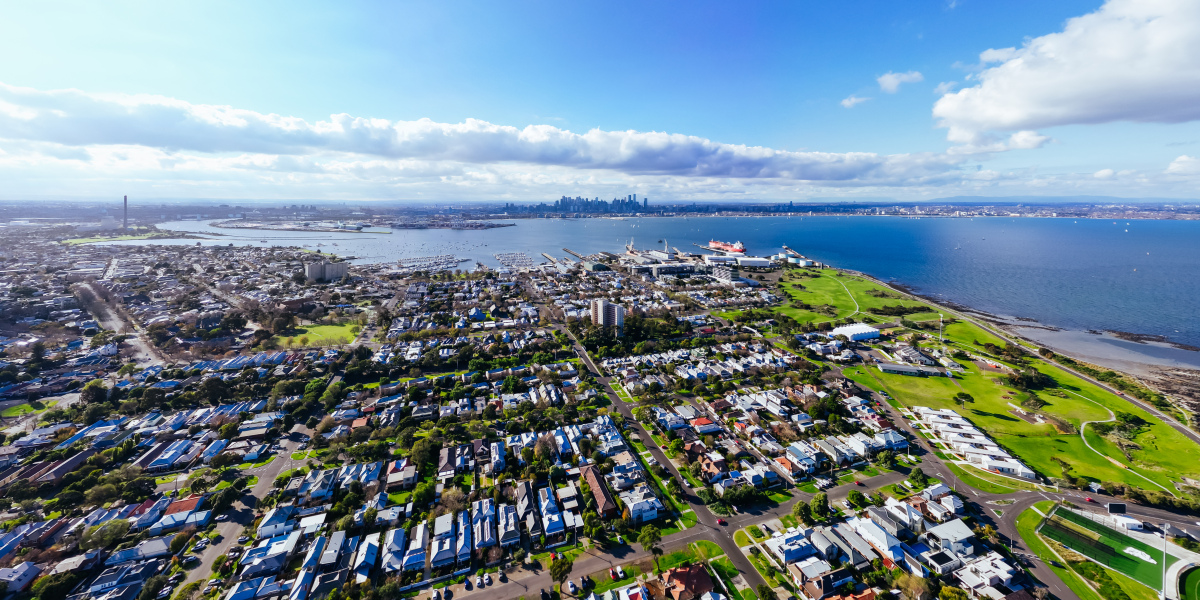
x: 125, y: 219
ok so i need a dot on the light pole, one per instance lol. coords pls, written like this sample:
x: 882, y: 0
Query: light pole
x: 1162, y: 589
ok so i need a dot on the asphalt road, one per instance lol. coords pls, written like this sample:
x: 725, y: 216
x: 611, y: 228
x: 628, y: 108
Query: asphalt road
x: 722, y: 535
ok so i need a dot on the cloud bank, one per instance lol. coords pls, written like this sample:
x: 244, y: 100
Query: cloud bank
x: 72, y: 118
x: 1131, y: 60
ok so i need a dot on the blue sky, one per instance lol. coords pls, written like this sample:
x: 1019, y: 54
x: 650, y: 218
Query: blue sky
x: 723, y: 75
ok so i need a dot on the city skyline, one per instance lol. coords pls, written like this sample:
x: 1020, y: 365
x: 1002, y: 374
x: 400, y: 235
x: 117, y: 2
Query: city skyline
x: 427, y: 103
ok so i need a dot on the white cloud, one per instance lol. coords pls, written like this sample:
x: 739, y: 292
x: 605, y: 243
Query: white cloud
x: 53, y: 140
x: 1104, y: 174
x: 1184, y: 165
x: 1131, y: 60
x: 851, y: 101
x: 890, y: 82
x: 945, y: 87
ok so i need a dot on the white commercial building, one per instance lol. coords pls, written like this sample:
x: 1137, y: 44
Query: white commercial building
x: 856, y: 332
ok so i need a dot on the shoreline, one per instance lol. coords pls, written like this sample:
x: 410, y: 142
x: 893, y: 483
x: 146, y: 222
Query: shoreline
x: 1165, y: 367
x: 1119, y: 350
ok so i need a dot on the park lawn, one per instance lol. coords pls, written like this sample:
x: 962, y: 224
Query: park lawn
x: 674, y: 559
x: 1000, y: 483
x: 688, y: 519
x: 1027, y: 524
x: 113, y: 238
x: 1037, y: 445
x: 842, y: 292
x: 320, y: 335
x: 400, y: 498
x: 707, y: 549
x: 789, y: 521
x: 755, y: 533
x: 741, y: 539
x: 969, y: 477
x: 727, y: 572
x: 27, y: 408
x: 779, y: 497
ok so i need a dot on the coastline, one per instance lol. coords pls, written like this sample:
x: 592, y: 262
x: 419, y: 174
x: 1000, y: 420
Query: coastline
x: 1166, y: 367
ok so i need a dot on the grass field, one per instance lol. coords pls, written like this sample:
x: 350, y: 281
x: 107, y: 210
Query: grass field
x: 1108, y: 547
x: 119, y: 238
x: 319, y: 335
x: 1027, y: 524
x: 1189, y: 584
x: 1162, y: 459
x: 741, y: 539
x: 26, y: 408
x: 705, y: 549
x: 727, y: 572
x: 844, y: 293
x: 989, y: 482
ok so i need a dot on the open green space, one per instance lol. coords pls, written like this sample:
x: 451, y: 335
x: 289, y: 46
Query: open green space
x: 741, y: 539
x: 1164, y: 452
x: 318, y: 335
x: 968, y: 475
x: 1108, y: 547
x: 843, y: 292
x: 1007, y: 484
x: 1027, y: 524
x: 26, y: 408
x: 1189, y: 584
x: 674, y: 559
x: 727, y: 572
x: 706, y: 549
x: 122, y: 238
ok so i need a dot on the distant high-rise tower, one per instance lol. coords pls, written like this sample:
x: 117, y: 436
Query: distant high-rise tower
x: 125, y: 219
x: 645, y: 202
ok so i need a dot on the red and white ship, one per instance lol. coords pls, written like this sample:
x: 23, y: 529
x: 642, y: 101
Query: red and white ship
x: 734, y: 248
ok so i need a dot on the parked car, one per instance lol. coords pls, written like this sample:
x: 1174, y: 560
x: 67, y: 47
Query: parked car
x: 487, y: 579
x: 478, y: 581
x: 612, y: 573
x: 571, y: 587
x: 243, y: 539
x: 620, y: 572
x: 437, y: 595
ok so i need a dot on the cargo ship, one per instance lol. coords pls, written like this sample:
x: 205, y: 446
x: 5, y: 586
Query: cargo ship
x: 734, y: 248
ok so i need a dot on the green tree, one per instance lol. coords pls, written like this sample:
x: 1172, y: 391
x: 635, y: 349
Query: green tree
x: 649, y: 538
x: 94, y: 392
x: 820, y: 506
x: 152, y: 587
x: 857, y: 498
x: 424, y: 494
x: 104, y: 535
x: 950, y: 592
x: 560, y: 569
x: 802, y: 511
x: 766, y: 592
x: 425, y: 454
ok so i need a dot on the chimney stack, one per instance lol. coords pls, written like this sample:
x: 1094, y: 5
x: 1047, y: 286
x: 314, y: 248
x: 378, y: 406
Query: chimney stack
x: 125, y: 220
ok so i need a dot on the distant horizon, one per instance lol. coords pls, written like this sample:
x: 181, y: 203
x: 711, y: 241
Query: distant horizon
x: 136, y: 203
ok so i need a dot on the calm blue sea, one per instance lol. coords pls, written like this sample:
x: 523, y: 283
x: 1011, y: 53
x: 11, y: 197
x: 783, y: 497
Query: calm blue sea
x: 1136, y: 276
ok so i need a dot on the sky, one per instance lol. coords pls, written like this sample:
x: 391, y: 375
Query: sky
x: 528, y: 101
